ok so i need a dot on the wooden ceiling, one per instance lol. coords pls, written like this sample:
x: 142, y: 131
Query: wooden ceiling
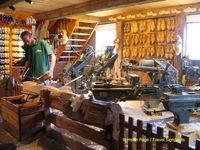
x: 54, y: 9
x: 160, y: 4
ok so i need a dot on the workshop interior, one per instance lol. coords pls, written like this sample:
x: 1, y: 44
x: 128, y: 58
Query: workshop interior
x: 126, y: 75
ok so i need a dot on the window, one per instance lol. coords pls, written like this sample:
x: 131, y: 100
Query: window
x: 192, y: 46
x: 105, y: 36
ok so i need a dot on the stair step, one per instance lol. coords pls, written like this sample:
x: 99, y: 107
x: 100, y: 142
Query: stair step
x: 71, y: 51
x: 84, y: 28
x: 68, y: 56
x: 76, y: 33
x: 75, y: 45
x: 82, y: 40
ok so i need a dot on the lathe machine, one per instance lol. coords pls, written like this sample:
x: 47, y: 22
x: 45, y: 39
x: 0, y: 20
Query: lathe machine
x: 162, y: 75
x: 164, y: 86
x: 182, y: 103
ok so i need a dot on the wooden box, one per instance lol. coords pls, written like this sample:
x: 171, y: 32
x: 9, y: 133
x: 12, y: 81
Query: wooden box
x: 22, y: 118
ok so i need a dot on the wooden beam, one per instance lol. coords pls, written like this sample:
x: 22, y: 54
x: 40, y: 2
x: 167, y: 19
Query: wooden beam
x: 89, y: 7
x: 7, y: 3
x: 51, y: 24
x: 85, y: 18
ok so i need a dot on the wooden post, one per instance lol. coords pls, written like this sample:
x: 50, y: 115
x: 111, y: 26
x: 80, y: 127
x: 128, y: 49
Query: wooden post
x: 139, y: 134
x: 171, y: 145
x: 184, y: 142
x: 149, y: 136
x: 46, y: 96
x: 159, y: 137
x: 121, y: 134
x: 197, y: 145
x: 130, y: 132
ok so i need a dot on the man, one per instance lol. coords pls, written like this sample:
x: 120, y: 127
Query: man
x: 39, y: 57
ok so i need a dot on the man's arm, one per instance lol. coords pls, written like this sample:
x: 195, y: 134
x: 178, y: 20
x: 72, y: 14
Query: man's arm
x: 26, y: 67
x: 52, y: 61
x: 52, y: 58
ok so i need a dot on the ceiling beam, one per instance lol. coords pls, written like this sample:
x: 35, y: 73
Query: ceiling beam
x: 89, y: 7
x: 7, y: 3
x: 85, y: 18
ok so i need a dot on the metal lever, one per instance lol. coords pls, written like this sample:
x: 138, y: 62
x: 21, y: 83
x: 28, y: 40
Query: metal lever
x: 74, y: 80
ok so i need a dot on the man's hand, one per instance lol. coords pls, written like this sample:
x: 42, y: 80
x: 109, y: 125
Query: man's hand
x: 49, y: 74
x: 46, y: 76
x: 21, y: 78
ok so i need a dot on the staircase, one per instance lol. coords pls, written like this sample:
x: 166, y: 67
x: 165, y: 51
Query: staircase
x: 79, y: 33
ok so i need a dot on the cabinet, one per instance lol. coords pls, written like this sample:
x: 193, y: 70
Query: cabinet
x: 149, y: 38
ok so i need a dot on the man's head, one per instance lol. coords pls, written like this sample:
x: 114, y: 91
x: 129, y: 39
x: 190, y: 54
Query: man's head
x: 27, y: 38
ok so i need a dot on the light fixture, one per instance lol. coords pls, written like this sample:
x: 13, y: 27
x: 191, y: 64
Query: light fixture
x: 12, y: 7
x: 29, y: 1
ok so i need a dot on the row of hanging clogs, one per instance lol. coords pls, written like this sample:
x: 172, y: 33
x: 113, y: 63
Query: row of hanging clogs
x: 18, y: 54
x: 5, y: 60
x: 15, y: 37
x: 18, y: 49
x: 4, y: 30
x: 142, y: 26
x: 150, y: 25
x: 170, y: 24
x: 4, y: 55
x: 170, y: 37
x: 159, y: 51
x: 164, y: 24
x: 4, y: 43
x: 149, y: 38
x: 138, y: 52
x: 135, y: 39
x: 4, y: 67
x: 17, y: 30
x: 4, y: 36
x: 165, y: 37
x: 4, y: 49
x: 5, y: 71
x: 17, y: 43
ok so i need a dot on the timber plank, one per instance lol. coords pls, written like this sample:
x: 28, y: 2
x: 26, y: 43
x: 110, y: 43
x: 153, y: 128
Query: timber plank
x: 80, y: 129
x: 10, y: 116
x: 63, y: 139
x: 32, y: 110
x: 30, y: 121
x: 10, y: 105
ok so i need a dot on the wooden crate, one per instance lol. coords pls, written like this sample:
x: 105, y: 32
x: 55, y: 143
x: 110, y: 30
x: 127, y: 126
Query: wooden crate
x: 22, y: 118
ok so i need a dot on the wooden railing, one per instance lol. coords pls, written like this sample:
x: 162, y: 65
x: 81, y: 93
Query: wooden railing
x: 148, y: 139
x: 62, y: 122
